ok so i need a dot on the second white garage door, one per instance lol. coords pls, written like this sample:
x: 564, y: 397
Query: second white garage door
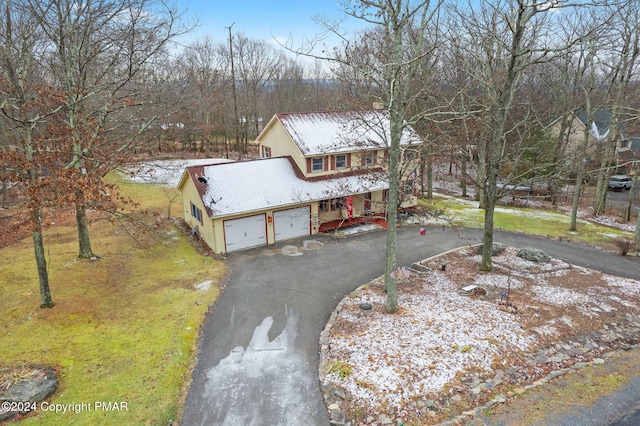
x: 245, y: 232
x: 292, y: 223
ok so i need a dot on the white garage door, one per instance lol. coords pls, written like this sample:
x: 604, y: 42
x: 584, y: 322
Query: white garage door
x: 245, y: 232
x: 291, y: 223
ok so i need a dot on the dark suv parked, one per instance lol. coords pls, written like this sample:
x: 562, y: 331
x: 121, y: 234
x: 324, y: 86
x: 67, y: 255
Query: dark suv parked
x: 620, y: 182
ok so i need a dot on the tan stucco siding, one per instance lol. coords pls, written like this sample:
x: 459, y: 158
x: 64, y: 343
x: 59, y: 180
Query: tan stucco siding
x: 575, y: 138
x: 279, y: 141
x: 190, y: 195
x: 281, y: 144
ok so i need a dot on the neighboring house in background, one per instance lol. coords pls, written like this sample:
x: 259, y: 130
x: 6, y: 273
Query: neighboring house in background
x: 628, y: 157
x: 319, y: 171
x: 599, y: 129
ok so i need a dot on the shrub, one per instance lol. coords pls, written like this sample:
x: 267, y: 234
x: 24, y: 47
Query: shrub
x: 342, y: 369
x: 624, y: 245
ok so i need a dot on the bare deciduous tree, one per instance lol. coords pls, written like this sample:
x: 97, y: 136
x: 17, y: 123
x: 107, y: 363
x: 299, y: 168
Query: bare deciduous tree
x: 388, y: 62
x: 19, y: 81
x: 507, y: 40
x: 98, y: 53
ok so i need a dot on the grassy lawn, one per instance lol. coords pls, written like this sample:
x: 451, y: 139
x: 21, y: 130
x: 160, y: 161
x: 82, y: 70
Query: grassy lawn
x: 123, y: 328
x: 531, y: 221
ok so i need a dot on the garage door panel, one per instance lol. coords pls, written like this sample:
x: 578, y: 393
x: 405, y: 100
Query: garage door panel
x: 245, y: 232
x: 292, y: 223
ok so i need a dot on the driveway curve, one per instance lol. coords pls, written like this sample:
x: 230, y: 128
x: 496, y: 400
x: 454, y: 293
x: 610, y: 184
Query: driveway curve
x: 259, y: 348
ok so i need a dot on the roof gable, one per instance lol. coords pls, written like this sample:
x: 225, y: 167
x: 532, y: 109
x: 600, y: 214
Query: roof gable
x: 316, y: 133
x: 600, y: 124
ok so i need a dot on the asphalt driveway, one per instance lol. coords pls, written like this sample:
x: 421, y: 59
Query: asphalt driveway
x: 259, y: 350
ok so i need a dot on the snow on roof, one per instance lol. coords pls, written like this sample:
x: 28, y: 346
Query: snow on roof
x: 601, y: 123
x: 324, y: 132
x: 247, y: 186
x: 166, y: 172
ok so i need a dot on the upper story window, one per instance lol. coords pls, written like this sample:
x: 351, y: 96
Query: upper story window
x: 341, y: 161
x: 317, y: 164
x: 410, y: 155
x: 369, y: 158
x: 266, y: 151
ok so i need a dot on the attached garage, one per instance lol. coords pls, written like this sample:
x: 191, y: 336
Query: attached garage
x: 292, y: 223
x: 245, y: 232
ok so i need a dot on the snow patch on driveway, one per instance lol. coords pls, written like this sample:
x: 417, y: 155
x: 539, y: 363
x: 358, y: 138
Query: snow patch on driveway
x: 262, y: 384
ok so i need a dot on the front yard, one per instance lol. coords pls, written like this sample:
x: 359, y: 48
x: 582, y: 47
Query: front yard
x: 447, y: 352
x: 123, y: 328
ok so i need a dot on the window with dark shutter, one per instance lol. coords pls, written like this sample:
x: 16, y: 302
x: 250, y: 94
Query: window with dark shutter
x: 318, y: 164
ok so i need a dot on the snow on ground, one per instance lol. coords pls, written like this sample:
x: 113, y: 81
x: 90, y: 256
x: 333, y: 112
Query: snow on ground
x: 166, y: 172
x: 357, y: 229
x: 441, y: 334
x: 445, y: 183
x: 203, y: 286
x: 630, y: 287
x: 614, y: 222
x: 442, y: 331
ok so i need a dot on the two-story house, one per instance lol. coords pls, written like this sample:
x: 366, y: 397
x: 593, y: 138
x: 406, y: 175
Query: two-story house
x: 318, y: 171
x: 597, y: 130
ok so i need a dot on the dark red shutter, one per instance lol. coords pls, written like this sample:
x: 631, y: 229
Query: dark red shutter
x: 308, y: 165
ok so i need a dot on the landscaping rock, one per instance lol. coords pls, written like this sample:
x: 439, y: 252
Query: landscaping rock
x: 496, y: 249
x: 385, y: 420
x: 337, y: 418
x: 533, y: 254
x: 418, y: 268
x: 32, y: 390
x: 29, y: 390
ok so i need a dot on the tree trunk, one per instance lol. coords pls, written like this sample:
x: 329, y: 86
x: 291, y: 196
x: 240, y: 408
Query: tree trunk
x: 600, y: 198
x: 481, y: 175
x: 632, y: 195
x: 41, y: 262
x: 487, y: 237
x: 430, y: 177
x: 576, y: 201
x: 84, y: 242
x: 637, y: 233
x: 4, y: 194
x: 390, y: 277
x: 463, y: 174
x: 423, y: 153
